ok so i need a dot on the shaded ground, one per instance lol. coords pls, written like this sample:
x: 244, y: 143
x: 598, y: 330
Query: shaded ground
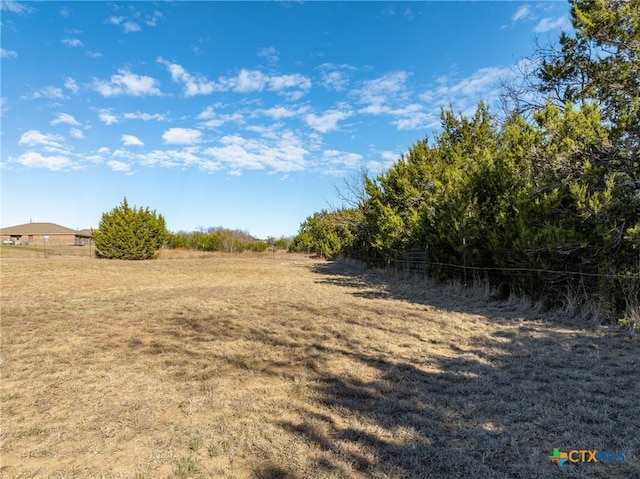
x: 287, y: 367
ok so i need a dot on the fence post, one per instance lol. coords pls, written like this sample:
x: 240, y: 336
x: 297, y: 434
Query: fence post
x: 464, y: 257
x: 426, y: 260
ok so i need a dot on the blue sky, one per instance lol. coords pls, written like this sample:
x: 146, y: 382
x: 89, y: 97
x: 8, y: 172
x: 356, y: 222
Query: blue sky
x: 239, y: 114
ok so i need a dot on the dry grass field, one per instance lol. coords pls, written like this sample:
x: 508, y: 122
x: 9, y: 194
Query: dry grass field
x: 286, y: 367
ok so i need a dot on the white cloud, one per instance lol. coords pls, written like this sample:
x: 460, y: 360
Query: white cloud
x: 387, y: 88
x: 8, y: 53
x: 463, y: 94
x: 129, y: 26
x: 334, y: 76
x: 76, y: 133
x: 181, y: 136
x: 36, y: 138
x: 522, y: 13
x: 341, y: 158
x: 193, y: 85
x: 114, y: 20
x: 49, y: 92
x: 94, y: 54
x: 379, y: 166
x: 270, y: 54
x: 214, y: 120
x: 121, y: 166
x: 131, y: 140
x: 127, y: 83
x: 33, y: 159
x: 143, y: 116
x: 207, y: 114
x: 64, y: 11
x: 249, y: 80
x: 293, y: 86
x: 175, y: 158
x: 283, y: 153
x: 65, y: 118
x: 279, y: 112
x: 152, y: 20
x: 3, y: 105
x: 107, y: 117
x: 15, y: 7
x: 72, y: 42
x: 327, y: 121
x: 548, y: 24
x: 296, y: 80
x: 334, y: 80
x: 70, y: 84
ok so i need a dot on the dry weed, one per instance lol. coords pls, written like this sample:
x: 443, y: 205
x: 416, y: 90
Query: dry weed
x: 254, y: 366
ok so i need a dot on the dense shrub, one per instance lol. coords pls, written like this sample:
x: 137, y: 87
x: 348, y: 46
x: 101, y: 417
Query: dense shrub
x: 130, y: 233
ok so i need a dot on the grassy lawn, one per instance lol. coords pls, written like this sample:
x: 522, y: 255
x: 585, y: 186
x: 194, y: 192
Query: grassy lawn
x: 252, y: 366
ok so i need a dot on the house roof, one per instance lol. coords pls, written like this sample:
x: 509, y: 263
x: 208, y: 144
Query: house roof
x: 37, y: 229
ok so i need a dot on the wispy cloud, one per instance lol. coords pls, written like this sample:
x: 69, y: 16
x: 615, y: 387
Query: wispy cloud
x: 129, y: 26
x: 107, y: 117
x: 280, y: 112
x: 15, y: 7
x: 463, y: 94
x: 48, y: 92
x: 270, y: 54
x: 117, y: 165
x: 181, y: 136
x: 131, y: 140
x: 114, y: 20
x: 8, y: 53
x: 34, y: 159
x: 328, y: 121
x: 293, y: 85
x: 334, y: 77
x: 193, y: 84
x: 127, y: 83
x: 379, y: 93
x: 152, y: 20
x: 70, y: 84
x: 65, y: 118
x: 37, y: 138
x: 72, y: 42
x: 282, y: 153
x: 548, y: 24
x: 76, y: 133
x: 522, y: 13
x: 144, y: 116
x: 336, y: 162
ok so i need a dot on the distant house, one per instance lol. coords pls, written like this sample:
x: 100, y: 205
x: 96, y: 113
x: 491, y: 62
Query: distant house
x: 37, y: 232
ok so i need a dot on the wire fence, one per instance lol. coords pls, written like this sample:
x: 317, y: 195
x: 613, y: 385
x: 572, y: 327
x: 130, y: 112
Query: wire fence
x: 621, y: 289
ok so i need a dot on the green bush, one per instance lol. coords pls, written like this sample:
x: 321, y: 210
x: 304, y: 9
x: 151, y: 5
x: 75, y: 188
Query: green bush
x: 130, y: 233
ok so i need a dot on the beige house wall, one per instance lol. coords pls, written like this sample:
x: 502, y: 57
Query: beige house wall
x: 54, y: 239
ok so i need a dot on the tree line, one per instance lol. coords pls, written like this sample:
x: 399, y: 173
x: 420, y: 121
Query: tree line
x: 133, y: 233
x: 551, y: 185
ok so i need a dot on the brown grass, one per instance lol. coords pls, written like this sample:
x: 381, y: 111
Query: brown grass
x: 286, y: 367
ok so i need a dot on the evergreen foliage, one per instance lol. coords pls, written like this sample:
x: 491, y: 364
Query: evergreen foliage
x: 130, y: 233
x: 558, y: 190
x: 328, y: 233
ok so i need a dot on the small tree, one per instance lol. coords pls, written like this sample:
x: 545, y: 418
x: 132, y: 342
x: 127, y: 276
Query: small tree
x: 130, y: 233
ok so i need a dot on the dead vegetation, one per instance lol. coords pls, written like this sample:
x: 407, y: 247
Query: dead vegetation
x: 285, y: 367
